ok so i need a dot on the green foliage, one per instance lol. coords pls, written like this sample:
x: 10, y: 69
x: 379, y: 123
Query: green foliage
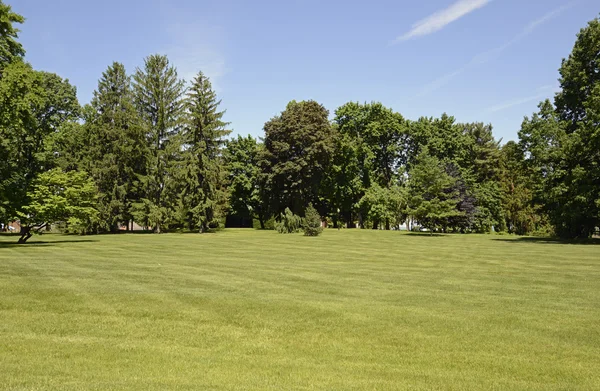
x: 34, y: 106
x: 311, y: 224
x: 579, y: 75
x: 297, y: 152
x: 384, y: 206
x: 246, y: 191
x: 371, y: 153
x: 520, y: 213
x: 288, y: 223
x: 158, y: 94
x: 10, y: 49
x: 115, y: 148
x: 201, y: 172
x: 432, y: 199
x: 561, y: 142
x: 56, y: 195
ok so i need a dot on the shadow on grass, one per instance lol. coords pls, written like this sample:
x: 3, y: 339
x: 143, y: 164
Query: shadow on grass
x: 42, y: 243
x: 427, y: 234
x: 594, y: 241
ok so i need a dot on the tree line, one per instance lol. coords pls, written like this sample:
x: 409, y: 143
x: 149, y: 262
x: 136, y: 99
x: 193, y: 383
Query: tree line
x: 154, y: 149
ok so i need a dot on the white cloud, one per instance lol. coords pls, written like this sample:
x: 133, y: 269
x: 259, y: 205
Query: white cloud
x: 493, y: 53
x: 194, y: 48
x: 513, y: 103
x: 442, y: 18
x: 544, y: 93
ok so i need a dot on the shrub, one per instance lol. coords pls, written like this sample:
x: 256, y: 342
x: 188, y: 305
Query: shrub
x: 312, y: 222
x: 289, y: 222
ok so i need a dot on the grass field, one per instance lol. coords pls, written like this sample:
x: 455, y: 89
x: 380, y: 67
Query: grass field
x: 255, y: 310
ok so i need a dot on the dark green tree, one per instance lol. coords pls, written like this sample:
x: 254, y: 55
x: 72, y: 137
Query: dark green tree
x: 158, y: 94
x: 203, y: 174
x: 517, y: 187
x: 561, y: 143
x: 244, y: 184
x: 579, y: 76
x: 481, y: 171
x: 115, y: 147
x: 298, y: 148
x: 10, y: 48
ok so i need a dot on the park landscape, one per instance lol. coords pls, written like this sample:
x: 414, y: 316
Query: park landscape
x: 348, y: 250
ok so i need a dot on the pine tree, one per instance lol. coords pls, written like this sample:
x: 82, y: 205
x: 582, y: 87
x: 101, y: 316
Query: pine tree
x: 312, y: 222
x: 10, y: 48
x: 433, y: 199
x: 158, y: 97
x: 116, y: 147
x: 203, y: 194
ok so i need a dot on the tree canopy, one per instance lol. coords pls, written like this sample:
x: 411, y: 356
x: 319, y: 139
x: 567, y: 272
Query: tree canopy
x: 154, y: 149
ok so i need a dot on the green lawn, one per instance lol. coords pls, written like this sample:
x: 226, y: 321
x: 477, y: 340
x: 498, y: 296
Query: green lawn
x: 255, y: 310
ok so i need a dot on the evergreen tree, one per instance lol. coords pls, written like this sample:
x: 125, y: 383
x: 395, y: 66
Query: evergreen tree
x: 116, y: 147
x: 312, y: 222
x: 158, y: 98
x: 10, y: 48
x: 204, y: 195
x: 520, y: 212
x: 432, y: 200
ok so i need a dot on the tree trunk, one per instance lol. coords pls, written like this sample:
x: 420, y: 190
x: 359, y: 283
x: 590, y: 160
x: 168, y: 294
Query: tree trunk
x: 261, y: 220
x: 157, y: 229
x: 387, y: 224
x: 25, y: 234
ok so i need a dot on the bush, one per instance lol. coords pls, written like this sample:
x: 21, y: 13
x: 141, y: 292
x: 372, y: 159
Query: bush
x: 289, y: 223
x: 312, y: 222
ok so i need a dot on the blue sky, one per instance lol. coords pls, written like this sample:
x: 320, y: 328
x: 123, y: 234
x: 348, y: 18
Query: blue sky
x: 478, y: 60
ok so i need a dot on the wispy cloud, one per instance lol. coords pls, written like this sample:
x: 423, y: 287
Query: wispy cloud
x: 493, y: 53
x: 442, y: 18
x: 543, y: 93
x: 194, y: 48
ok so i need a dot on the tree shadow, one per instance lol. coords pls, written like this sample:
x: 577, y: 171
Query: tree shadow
x: 542, y: 240
x: 427, y: 234
x: 42, y: 243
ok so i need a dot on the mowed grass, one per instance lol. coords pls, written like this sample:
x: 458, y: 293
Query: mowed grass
x: 255, y: 310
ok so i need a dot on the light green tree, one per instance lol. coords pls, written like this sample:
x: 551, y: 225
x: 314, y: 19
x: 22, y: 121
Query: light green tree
x: 58, y: 196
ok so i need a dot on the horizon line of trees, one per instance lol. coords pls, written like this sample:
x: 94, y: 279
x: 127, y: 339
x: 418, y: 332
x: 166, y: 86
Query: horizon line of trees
x: 154, y: 149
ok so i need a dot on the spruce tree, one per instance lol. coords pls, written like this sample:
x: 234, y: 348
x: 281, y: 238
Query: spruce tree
x: 10, y: 48
x: 158, y: 97
x: 433, y: 199
x: 312, y: 222
x: 203, y: 193
x: 116, y: 147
